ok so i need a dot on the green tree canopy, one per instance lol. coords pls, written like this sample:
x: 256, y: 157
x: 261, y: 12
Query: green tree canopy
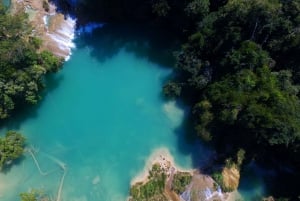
x: 22, y: 65
x: 240, y: 71
x: 33, y: 195
x: 11, y: 148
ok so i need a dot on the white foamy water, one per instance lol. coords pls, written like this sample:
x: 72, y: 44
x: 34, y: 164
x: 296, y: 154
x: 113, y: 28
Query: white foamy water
x: 63, y: 37
x: 46, y: 20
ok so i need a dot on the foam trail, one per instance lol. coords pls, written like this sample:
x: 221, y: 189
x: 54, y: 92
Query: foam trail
x: 61, y: 186
x: 61, y: 164
x: 37, y: 164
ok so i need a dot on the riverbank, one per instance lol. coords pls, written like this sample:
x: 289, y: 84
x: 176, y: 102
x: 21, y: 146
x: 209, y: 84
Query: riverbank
x: 54, y: 29
x: 179, y: 183
x: 162, y: 157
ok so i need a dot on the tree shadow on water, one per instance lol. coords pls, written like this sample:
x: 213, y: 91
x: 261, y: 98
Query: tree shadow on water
x: 16, y: 162
x: 145, y: 41
x: 27, y: 112
x: 189, y: 143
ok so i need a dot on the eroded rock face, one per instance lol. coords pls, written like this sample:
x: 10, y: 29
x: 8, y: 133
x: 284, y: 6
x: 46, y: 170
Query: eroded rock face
x: 54, y: 29
x: 231, y: 178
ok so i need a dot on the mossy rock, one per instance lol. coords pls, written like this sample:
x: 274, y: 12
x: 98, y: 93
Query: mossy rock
x: 151, y: 190
x: 180, y: 181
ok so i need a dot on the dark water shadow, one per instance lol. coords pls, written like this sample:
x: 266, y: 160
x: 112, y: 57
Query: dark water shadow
x: 27, y: 112
x: 6, y: 169
x: 188, y: 143
x: 145, y: 41
x: 278, y: 181
x: 65, y: 7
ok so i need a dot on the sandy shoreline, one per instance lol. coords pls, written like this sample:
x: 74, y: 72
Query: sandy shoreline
x: 160, y: 156
x: 203, y: 184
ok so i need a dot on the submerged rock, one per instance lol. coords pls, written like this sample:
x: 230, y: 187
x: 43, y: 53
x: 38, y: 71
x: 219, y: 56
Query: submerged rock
x: 96, y: 180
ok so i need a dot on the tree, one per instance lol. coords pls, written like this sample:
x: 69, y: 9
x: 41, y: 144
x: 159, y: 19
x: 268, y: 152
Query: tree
x: 161, y: 8
x: 22, y: 64
x: 249, y: 56
x: 255, y: 102
x: 11, y: 148
x: 240, y: 72
x: 197, y: 8
x: 33, y: 195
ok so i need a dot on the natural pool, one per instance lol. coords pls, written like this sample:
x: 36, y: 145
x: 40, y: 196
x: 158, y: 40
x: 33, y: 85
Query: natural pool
x: 103, y: 115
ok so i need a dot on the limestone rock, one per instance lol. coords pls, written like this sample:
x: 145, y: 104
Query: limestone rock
x: 231, y: 178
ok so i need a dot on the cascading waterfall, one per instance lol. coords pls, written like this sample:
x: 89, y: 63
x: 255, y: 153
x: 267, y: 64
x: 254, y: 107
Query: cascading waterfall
x: 60, y: 30
x: 208, y: 193
x: 63, y: 36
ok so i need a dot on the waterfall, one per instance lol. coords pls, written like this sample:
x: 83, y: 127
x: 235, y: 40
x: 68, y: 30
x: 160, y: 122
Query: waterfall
x: 62, y: 36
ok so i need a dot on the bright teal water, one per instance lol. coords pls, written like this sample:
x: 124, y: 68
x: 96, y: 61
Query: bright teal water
x: 6, y: 2
x: 103, y: 119
x: 103, y: 116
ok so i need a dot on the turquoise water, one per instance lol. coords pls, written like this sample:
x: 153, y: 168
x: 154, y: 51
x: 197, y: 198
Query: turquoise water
x: 103, y: 118
x: 103, y: 115
x: 6, y: 2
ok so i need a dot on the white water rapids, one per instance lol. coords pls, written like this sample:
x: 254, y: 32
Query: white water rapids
x: 63, y: 37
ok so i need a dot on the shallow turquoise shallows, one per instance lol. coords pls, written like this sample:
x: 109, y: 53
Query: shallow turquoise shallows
x: 101, y: 117
x: 6, y: 2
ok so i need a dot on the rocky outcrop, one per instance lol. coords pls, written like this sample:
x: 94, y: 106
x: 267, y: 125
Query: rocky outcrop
x: 54, y: 29
x: 231, y: 178
x: 163, y: 180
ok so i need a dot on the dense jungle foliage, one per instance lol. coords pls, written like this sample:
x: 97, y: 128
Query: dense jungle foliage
x: 11, y: 148
x: 22, y: 65
x: 240, y: 72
